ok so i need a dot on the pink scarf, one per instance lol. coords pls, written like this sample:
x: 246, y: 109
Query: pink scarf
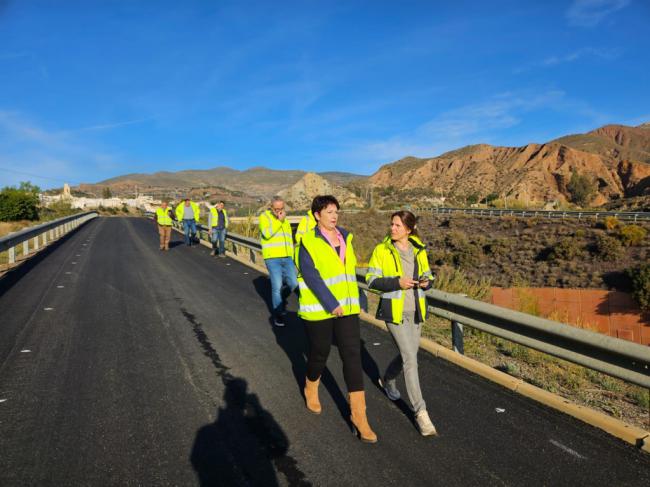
x: 341, y: 243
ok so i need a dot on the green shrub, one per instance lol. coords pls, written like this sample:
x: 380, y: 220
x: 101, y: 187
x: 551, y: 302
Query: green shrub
x: 608, y: 248
x: 19, y: 203
x: 632, y: 235
x: 455, y: 281
x: 640, y: 277
x: 581, y: 188
x: 566, y: 249
x: 499, y: 247
x: 467, y: 255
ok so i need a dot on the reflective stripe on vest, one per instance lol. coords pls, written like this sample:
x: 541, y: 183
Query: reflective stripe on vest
x: 162, y: 216
x: 339, y: 278
x: 280, y: 243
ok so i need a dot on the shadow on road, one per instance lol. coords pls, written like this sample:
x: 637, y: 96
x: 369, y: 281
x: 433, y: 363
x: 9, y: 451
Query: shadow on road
x: 243, y: 444
x: 262, y: 286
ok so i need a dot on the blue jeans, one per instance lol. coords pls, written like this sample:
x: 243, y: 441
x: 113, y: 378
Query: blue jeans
x: 219, y: 236
x: 281, y: 270
x: 189, y: 228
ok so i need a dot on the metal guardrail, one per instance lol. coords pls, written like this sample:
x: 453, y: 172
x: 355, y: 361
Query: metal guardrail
x: 621, y: 215
x: 622, y: 359
x: 40, y: 234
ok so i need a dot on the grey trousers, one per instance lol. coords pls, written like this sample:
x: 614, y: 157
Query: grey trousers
x: 407, y: 338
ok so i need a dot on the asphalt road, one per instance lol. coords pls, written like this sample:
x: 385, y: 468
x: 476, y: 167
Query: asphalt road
x: 122, y: 365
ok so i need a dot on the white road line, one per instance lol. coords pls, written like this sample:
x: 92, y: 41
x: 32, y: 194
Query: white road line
x: 68, y: 272
x: 27, y: 350
x: 567, y: 449
x: 60, y: 287
x: 2, y: 400
x: 48, y: 309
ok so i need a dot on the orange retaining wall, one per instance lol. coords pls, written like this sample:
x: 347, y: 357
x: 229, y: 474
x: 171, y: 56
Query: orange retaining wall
x: 611, y: 312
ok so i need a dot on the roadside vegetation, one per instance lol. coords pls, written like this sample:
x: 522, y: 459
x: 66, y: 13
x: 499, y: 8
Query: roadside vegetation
x: 573, y: 382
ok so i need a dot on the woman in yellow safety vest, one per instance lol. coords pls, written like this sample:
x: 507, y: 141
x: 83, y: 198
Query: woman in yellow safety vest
x: 329, y: 307
x: 399, y: 268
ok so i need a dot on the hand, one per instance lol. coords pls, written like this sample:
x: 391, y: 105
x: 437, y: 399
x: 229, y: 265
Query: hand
x: 424, y: 283
x: 407, y: 283
x: 281, y: 215
x: 338, y: 311
x: 210, y: 232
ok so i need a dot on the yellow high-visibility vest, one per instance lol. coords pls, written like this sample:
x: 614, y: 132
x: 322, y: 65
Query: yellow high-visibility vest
x: 339, y: 277
x: 306, y: 223
x: 180, y: 211
x: 276, y: 238
x: 386, y: 262
x: 162, y: 216
x: 215, y: 217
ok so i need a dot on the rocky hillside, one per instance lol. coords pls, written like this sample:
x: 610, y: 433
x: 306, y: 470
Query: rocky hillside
x: 616, y: 157
x: 258, y: 181
x: 300, y: 195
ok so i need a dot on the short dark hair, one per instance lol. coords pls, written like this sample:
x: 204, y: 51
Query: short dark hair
x: 222, y: 202
x: 321, y: 202
x: 409, y: 220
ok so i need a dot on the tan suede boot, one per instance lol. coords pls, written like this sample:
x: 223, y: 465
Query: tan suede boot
x: 311, y: 395
x: 358, y: 417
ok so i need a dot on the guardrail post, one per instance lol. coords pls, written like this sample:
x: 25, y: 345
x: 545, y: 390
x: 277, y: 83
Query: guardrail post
x: 45, y: 239
x: 12, y: 255
x: 36, y: 243
x: 26, y: 247
x: 457, y: 337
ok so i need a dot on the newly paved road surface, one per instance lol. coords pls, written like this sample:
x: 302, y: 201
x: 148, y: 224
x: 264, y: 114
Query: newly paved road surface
x: 122, y: 365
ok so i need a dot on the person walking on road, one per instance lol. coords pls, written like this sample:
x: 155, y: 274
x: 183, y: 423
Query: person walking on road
x: 189, y: 213
x: 164, y: 217
x: 217, y: 227
x: 399, y: 268
x: 329, y: 307
x: 277, y: 250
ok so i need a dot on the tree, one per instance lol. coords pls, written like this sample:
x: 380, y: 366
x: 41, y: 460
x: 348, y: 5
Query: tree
x: 640, y: 277
x: 28, y: 187
x: 106, y: 193
x: 19, y: 203
x: 581, y: 189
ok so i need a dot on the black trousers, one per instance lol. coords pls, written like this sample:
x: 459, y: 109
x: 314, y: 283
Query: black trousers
x: 347, y: 332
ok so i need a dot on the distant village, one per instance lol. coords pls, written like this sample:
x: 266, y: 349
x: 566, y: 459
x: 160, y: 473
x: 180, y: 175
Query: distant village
x: 142, y: 202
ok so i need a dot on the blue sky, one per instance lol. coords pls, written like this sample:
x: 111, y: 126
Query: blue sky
x: 95, y: 89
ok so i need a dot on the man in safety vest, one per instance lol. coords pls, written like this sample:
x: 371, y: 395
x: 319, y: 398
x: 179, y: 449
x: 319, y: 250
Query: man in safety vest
x: 307, y: 223
x: 164, y: 217
x: 277, y: 250
x: 217, y: 226
x: 188, y: 212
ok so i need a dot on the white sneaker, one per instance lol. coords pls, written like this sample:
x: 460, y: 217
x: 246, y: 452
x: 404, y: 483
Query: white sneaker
x: 424, y: 424
x: 278, y: 321
x: 391, y: 390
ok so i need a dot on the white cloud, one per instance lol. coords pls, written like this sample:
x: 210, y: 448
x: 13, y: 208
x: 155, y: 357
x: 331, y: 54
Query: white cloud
x: 589, y: 13
x: 606, y: 54
x: 486, y: 121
